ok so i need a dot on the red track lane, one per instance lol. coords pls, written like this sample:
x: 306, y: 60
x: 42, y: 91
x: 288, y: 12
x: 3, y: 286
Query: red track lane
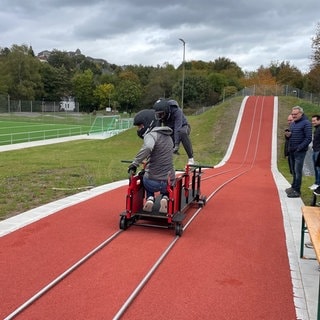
x: 230, y: 263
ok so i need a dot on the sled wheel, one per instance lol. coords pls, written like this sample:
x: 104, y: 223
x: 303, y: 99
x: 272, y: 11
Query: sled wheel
x: 178, y: 229
x: 202, y: 201
x: 123, y: 223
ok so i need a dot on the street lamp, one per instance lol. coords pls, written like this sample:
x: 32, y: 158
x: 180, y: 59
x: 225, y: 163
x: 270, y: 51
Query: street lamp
x: 183, y: 70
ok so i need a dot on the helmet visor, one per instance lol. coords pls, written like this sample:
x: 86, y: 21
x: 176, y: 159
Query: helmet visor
x: 160, y: 115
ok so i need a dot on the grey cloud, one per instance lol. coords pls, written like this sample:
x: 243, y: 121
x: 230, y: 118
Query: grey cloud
x: 250, y: 32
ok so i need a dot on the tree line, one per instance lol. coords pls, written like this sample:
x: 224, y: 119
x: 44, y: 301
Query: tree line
x: 96, y: 84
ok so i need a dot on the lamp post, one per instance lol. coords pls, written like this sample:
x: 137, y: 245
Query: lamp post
x: 183, y: 70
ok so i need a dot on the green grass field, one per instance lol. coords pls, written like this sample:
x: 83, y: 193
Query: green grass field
x: 32, y: 127
x: 11, y: 132
x: 35, y: 176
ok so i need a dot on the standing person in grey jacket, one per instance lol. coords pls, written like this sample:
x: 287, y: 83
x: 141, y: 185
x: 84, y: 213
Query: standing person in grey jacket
x: 157, y: 151
x: 300, y: 137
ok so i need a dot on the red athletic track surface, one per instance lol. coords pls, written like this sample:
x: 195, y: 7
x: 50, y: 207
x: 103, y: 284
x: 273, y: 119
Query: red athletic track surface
x: 230, y: 263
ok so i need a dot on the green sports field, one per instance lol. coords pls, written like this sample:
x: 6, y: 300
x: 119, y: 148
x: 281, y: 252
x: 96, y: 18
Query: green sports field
x: 19, y: 128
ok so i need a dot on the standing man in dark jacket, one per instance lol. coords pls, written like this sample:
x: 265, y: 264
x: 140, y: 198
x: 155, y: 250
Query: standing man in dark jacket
x: 286, y: 143
x: 299, y: 139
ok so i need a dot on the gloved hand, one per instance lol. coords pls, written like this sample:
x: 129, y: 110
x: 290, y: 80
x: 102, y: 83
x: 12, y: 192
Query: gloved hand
x: 176, y: 149
x: 132, y: 168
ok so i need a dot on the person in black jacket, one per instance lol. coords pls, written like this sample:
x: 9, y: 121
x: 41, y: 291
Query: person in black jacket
x: 300, y: 137
x: 315, y: 120
x: 286, y: 142
x: 171, y: 115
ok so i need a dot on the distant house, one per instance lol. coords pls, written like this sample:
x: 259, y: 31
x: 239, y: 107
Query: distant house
x: 43, y: 56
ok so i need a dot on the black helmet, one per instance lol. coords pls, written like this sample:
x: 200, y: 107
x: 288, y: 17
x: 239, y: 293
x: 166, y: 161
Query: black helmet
x: 162, y: 109
x: 147, y: 119
x: 173, y: 103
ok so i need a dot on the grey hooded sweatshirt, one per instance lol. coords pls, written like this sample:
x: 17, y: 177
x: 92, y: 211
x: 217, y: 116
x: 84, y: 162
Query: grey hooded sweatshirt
x: 157, y: 150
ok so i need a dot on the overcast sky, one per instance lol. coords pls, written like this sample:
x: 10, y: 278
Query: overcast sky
x: 249, y: 32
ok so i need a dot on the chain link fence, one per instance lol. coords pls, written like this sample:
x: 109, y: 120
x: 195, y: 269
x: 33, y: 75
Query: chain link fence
x: 8, y: 105
x: 279, y: 90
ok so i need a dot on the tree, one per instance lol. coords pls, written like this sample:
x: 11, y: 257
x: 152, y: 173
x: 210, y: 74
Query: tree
x: 196, y: 89
x: 288, y: 75
x: 23, y: 73
x: 315, y: 58
x: 4, y: 77
x: 222, y: 64
x: 104, y: 93
x: 217, y: 81
x: 60, y: 59
x: 313, y: 77
x: 56, y: 82
x: 161, y: 82
x: 262, y: 77
x: 83, y: 87
x: 128, y: 94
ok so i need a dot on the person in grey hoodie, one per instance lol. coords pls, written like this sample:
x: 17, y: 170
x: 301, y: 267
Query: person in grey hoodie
x: 300, y: 136
x: 157, y: 152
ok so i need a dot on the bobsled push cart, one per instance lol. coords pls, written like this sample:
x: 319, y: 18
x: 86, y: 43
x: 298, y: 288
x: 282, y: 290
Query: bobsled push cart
x: 185, y: 193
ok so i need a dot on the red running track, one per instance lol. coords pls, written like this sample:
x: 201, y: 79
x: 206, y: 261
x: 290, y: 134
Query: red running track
x: 230, y: 263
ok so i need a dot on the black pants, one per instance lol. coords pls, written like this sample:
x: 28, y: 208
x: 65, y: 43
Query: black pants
x: 184, y: 134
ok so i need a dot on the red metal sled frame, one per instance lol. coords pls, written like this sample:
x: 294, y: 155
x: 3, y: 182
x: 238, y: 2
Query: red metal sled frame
x: 181, y: 196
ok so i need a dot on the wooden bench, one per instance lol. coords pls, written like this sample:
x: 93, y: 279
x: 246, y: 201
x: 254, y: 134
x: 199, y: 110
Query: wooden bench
x: 311, y: 224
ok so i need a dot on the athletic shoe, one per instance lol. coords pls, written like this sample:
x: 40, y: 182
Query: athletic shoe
x: 317, y: 191
x: 314, y: 187
x: 293, y: 194
x: 288, y: 190
x: 191, y: 161
x: 164, y: 205
x: 149, y: 204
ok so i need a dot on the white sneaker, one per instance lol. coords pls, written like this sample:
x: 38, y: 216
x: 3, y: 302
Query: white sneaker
x: 314, y: 187
x: 190, y: 161
x: 149, y: 204
x: 164, y: 205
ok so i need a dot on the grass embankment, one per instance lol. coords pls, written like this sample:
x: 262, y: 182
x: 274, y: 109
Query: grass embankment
x: 36, y: 176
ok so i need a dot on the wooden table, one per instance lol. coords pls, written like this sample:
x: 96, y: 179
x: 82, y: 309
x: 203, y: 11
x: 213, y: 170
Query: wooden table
x: 311, y: 224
